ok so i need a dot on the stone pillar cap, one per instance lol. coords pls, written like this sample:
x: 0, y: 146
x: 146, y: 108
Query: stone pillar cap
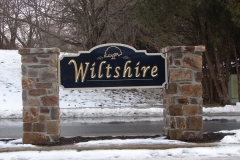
x: 172, y: 49
x: 28, y: 51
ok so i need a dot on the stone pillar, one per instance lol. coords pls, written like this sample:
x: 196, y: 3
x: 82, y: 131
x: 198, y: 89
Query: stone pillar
x: 183, y: 98
x: 41, y: 118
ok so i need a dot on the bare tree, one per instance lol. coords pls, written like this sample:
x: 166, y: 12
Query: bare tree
x: 81, y: 23
x: 1, y: 28
x: 9, y: 31
x: 78, y: 23
x: 92, y: 22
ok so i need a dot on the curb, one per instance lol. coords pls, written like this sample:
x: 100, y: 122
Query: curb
x: 113, y: 147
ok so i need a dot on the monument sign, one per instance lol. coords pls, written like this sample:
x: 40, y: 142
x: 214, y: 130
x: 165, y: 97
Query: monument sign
x: 113, y: 66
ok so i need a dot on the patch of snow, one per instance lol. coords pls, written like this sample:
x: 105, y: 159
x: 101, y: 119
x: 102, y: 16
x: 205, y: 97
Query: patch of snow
x: 10, y: 113
x: 223, y: 118
x: 232, y: 139
x: 110, y: 98
x: 159, y: 140
x: 14, y: 144
x: 238, y: 104
x: 226, y: 109
x: 10, y: 81
x: 10, y: 122
x: 223, y: 152
x: 110, y: 112
x: 109, y: 119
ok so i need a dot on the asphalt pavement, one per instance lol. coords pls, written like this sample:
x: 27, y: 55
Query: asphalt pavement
x: 80, y: 127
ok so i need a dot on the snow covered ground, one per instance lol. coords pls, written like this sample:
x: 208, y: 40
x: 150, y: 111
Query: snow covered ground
x: 85, y: 103
x: 76, y: 103
x: 227, y: 148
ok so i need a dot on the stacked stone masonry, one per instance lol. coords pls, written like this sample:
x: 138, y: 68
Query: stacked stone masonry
x: 183, y: 97
x: 40, y: 95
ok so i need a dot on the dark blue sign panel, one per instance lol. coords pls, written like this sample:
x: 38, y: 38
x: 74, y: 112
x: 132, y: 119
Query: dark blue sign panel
x: 113, y: 66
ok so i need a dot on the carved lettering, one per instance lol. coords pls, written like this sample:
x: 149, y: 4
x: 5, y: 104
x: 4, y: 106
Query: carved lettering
x: 80, y: 71
x: 108, y: 69
x: 154, y: 71
x: 127, y: 72
x: 127, y: 69
x: 117, y: 72
x: 93, y: 75
x: 100, y: 75
x: 145, y: 69
x: 137, y: 74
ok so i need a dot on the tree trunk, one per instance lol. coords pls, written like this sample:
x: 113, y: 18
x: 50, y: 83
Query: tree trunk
x: 211, y: 90
x: 208, y: 43
x: 207, y: 84
x: 222, y: 79
x: 206, y: 96
x: 214, y: 76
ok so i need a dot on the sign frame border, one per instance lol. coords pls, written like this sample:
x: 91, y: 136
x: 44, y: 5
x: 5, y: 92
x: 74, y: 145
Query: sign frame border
x: 165, y: 84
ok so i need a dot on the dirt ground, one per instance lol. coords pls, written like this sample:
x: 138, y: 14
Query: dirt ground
x: 207, y: 138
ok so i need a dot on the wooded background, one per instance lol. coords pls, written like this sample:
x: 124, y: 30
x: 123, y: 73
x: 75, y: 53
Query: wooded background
x: 74, y: 25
